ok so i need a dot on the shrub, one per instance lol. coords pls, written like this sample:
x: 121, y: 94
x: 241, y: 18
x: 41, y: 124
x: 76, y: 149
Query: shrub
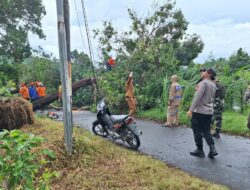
x: 19, y: 163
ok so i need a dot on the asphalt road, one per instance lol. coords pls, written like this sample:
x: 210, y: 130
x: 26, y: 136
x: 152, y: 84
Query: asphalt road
x: 172, y: 145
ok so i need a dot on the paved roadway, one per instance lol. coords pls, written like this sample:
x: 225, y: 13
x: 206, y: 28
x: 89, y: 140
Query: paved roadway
x: 172, y: 145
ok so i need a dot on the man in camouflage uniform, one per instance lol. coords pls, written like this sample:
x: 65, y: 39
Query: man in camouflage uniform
x: 247, y: 98
x: 218, y: 107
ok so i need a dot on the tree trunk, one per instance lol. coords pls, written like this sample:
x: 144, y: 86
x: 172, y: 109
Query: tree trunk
x: 241, y: 101
x: 42, y: 102
x: 94, y: 92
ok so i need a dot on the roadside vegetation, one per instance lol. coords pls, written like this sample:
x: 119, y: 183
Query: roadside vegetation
x: 233, y: 122
x: 99, y: 164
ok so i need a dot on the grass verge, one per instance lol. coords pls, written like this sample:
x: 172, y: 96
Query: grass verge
x: 232, y: 122
x: 100, y: 164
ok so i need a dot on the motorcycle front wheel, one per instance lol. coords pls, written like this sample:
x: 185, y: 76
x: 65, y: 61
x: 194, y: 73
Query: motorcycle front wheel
x: 132, y: 140
x: 99, y: 130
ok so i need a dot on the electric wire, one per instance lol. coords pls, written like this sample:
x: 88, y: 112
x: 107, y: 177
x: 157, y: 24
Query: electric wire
x: 89, y: 45
x: 79, y: 24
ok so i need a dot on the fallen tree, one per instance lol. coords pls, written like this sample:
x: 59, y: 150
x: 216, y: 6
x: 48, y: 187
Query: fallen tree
x: 42, y: 102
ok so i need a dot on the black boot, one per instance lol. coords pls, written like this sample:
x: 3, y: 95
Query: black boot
x: 216, y: 135
x: 212, y: 152
x: 198, y: 152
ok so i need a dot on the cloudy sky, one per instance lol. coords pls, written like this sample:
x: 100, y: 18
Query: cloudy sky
x: 224, y: 25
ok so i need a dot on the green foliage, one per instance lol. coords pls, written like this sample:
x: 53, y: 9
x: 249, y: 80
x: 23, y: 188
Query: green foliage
x: 41, y: 69
x: 188, y: 80
x: 5, y: 90
x: 8, y: 77
x: 160, y: 114
x: 234, y: 75
x: 235, y: 123
x: 82, y: 68
x: 149, y: 49
x: 239, y: 60
x: 18, y: 18
x: 114, y: 96
x: 18, y: 161
x: 189, y: 49
x: 8, y: 72
x: 46, y: 179
x: 154, y: 114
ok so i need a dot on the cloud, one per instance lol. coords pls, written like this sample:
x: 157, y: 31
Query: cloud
x: 204, y: 11
x: 223, y: 25
x: 222, y: 37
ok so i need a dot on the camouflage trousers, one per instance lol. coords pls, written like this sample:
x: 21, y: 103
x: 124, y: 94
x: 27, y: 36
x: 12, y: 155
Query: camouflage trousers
x: 217, y: 116
x: 248, y: 122
x: 217, y: 119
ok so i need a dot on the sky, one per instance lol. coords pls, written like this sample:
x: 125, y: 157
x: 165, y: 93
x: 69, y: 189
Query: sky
x: 224, y: 25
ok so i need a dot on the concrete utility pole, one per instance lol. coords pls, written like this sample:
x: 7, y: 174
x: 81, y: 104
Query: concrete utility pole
x: 67, y: 29
x: 64, y: 71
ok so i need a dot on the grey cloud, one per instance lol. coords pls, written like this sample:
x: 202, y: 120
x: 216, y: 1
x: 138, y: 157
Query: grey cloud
x: 223, y: 25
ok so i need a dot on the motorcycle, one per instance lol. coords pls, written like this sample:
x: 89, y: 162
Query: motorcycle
x: 118, y: 127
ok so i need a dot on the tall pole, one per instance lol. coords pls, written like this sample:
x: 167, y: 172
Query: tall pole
x: 67, y: 29
x: 64, y: 71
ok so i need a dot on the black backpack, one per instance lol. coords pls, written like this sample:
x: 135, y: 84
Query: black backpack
x: 220, y: 91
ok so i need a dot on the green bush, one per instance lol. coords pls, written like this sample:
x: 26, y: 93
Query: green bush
x: 20, y: 164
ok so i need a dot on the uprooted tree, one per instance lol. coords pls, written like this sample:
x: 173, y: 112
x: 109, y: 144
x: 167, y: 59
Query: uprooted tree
x: 14, y: 113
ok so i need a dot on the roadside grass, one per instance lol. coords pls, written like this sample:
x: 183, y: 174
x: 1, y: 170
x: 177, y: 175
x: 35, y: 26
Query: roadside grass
x: 158, y: 114
x: 235, y: 123
x: 101, y: 164
x: 232, y: 122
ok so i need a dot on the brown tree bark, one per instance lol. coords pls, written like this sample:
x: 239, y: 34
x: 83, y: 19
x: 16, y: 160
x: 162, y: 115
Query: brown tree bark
x: 14, y: 113
x: 42, y: 102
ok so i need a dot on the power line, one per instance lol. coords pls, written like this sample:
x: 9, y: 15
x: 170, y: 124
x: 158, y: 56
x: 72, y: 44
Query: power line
x: 87, y: 32
x: 89, y: 44
x: 79, y: 24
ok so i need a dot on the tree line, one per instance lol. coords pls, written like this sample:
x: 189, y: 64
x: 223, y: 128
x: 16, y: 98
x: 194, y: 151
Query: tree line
x: 154, y: 47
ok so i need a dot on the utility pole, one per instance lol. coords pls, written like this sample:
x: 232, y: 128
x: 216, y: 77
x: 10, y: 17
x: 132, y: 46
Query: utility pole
x: 67, y: 29
x: 64, y: 71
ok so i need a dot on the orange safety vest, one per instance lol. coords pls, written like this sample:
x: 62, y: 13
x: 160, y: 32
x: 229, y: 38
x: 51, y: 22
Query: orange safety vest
x: 24, y: 91
x: 41, y: 90
x: 111, y: 61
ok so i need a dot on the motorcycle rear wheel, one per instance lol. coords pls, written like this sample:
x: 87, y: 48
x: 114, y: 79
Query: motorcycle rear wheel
x: 99, y: 130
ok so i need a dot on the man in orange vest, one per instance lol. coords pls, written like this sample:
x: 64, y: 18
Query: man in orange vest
x: 130, y: 97
x: 24, y: 91
x: 41, y: 90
